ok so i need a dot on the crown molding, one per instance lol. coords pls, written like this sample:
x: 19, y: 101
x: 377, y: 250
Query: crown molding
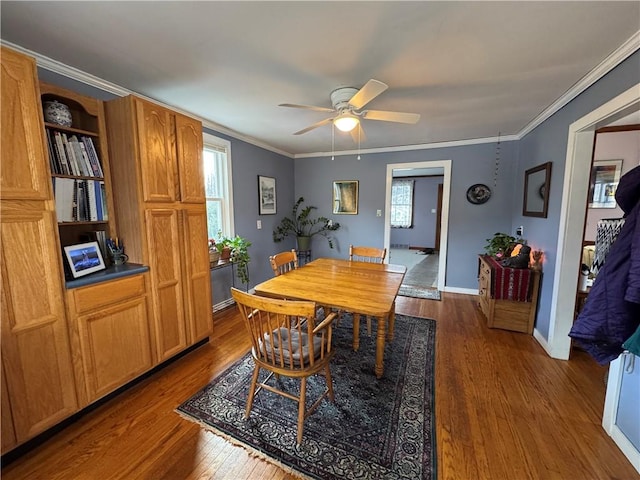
x: 608, y: 64
x: 613, y: 60
x: 104, y: 85
x: 405, y: 148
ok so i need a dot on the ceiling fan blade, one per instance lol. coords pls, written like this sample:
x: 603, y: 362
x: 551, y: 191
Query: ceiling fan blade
x: 371, y: 90
x: 357, y: 134
x: 307, y: 107
x: 315, y: 125
x: 399, y: 117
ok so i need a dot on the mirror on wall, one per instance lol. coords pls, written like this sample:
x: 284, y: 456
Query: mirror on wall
x: 345, y: 197
x: 536, y: 191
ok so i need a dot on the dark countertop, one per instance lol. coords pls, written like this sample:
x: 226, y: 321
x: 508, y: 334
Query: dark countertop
x: 110, y: 273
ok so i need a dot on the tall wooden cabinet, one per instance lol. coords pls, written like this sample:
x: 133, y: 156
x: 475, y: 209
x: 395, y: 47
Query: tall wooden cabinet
x: 37, y: 375
x: 156, y: 156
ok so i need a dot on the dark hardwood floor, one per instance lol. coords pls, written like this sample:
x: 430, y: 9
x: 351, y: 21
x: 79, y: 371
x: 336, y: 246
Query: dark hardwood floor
x: 504, y: 410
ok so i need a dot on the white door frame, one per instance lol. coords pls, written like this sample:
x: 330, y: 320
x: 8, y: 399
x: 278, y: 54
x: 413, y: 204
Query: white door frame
x: 574, y: 198
x: 444, y: 217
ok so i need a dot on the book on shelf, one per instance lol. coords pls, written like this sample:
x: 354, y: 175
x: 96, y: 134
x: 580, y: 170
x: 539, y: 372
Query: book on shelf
x: 93, y: 156
x: 53, y: 158
x: 103, y: 197
x: 71, y: 156
x: 92, y: 211
x: 81, y: 156
x: 81, y: 201
x: 97, y: 196
x: 61, y: 155
x: 65, y: 198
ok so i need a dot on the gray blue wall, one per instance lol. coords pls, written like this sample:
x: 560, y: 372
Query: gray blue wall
x: 469, y: 225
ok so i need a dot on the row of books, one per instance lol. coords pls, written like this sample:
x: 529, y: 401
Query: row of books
x: 80, y: 200
x: 72, y: 155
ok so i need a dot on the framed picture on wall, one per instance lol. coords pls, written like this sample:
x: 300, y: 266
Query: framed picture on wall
x: 605, y: 175
x: 345, y: 197
x: 266, y: 195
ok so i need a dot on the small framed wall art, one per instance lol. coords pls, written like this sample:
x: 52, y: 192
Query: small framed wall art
x: 605, y: 175
x: 266, y: 195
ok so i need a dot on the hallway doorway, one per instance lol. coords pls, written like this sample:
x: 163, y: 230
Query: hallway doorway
x: 436, y: 167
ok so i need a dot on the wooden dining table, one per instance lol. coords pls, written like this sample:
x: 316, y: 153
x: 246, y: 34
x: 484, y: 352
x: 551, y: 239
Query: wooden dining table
x: 357, y: 287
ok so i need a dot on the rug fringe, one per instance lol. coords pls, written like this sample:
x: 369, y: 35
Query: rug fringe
x: 253, y: 452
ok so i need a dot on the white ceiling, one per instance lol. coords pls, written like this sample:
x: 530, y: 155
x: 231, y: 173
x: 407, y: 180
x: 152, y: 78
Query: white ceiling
x: 471, y: 69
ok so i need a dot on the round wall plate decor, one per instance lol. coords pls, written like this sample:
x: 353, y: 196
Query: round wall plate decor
x: 478, y: 194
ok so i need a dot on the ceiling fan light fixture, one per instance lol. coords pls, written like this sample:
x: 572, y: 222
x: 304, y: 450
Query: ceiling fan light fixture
x: 346, y: 122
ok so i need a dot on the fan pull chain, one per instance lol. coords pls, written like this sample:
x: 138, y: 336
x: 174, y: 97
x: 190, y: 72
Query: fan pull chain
x: 333, y: 148
x: 495, y: 173
x: 359, y: 131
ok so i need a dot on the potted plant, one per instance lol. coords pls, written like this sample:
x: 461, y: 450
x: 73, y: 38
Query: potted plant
x: 501, y: 244
x: 304, y: 227
x: 214, y: 254
x: 237, y: 250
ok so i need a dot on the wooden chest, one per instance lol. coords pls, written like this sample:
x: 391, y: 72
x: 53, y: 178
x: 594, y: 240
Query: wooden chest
x: 506, y: 314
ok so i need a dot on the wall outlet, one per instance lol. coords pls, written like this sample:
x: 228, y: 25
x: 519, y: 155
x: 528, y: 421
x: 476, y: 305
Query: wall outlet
x: 520, y: 231
x: 378, y: 213
x: 259, y: 224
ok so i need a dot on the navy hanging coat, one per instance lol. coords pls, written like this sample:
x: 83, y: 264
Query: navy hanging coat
x: 612, y: 311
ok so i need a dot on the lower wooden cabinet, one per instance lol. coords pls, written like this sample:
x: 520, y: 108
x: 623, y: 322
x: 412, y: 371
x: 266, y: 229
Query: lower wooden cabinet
x: 110, y: 332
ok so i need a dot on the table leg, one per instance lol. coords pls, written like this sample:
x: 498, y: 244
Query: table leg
x: 380, y: 341
x: 392, y: 321
x: 356, y: 332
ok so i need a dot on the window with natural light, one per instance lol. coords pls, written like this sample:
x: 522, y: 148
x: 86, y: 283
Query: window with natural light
x: 401, y: 203
x: 217, y: 183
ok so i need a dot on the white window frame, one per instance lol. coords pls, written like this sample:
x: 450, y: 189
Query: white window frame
x: 227, y: 211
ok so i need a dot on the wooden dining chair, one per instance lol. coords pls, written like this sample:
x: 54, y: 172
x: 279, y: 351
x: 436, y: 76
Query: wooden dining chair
x: 283, y: 345
x: 283, y: 262
x: 369, y: 255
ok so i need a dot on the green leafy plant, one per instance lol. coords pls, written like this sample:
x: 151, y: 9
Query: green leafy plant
x: 239, y: 254
x: 501, y: 244
x: 300, y: 224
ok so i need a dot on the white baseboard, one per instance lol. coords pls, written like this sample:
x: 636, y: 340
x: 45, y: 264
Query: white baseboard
x: 623, y: 443
x: 542, y: 341
x: 465, y: 291
x: 222, y: 305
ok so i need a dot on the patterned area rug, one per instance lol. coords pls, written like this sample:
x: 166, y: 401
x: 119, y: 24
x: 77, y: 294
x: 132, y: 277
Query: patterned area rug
x: 419, y: 292
x: 422, y: 279
x: 376, y: 429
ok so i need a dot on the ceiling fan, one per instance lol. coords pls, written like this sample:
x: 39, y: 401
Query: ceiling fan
x: 349, y: 102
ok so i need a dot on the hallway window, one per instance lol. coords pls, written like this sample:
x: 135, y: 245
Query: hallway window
x: 401, y: 203
x: 217, y: 184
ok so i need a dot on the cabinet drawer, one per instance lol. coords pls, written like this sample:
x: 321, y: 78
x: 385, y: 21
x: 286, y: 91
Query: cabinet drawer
x: 103, y: 294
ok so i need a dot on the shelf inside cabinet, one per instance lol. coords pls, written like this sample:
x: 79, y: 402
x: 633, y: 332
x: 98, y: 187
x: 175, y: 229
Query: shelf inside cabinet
x: 79, y: 168
x: 70, y: 129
